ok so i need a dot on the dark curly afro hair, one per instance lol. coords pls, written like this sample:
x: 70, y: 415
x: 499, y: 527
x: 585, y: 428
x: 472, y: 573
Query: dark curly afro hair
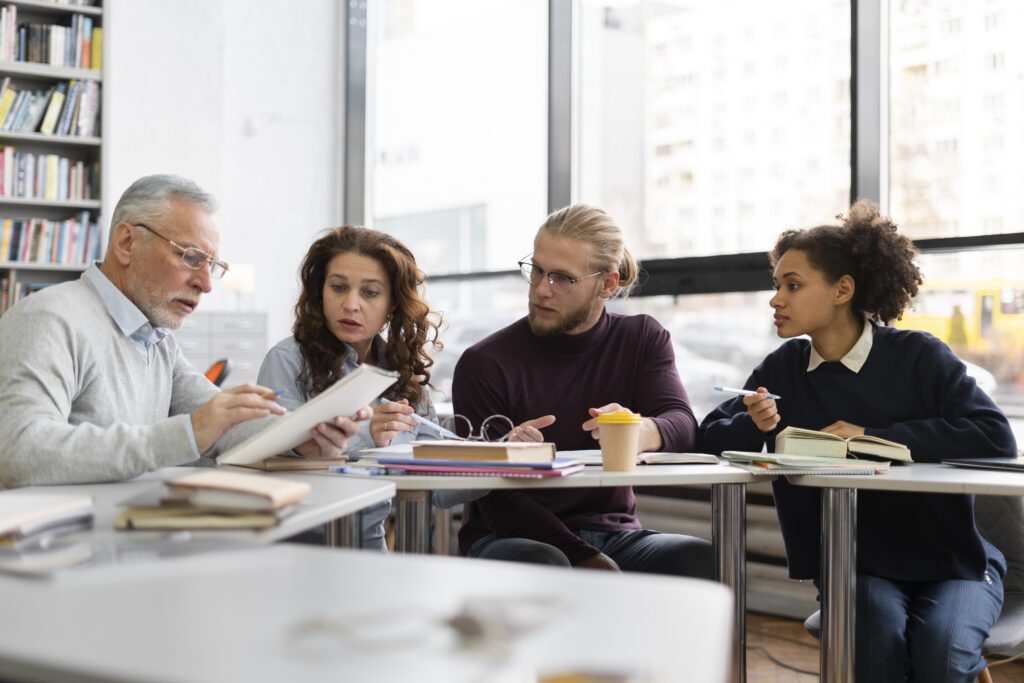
x: 865, y: 246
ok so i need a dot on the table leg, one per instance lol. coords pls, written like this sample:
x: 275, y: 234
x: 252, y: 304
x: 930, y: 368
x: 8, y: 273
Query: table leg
x: 729, y: 538
x: 412, y: 522
x: 838, y: 583
x: 346, y: 532
x: 442, y: 531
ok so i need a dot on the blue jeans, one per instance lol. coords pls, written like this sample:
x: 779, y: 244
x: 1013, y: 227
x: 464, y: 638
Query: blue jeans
x: 926, y: 631
x: 641, y: 550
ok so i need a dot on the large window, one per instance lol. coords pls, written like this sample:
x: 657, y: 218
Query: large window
x: 957, y: 151
x: 457, y: 144
x: 708, y: 127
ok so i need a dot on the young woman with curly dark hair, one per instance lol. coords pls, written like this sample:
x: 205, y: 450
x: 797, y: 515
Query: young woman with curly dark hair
x: 929, y: 587
x: 360, y: 303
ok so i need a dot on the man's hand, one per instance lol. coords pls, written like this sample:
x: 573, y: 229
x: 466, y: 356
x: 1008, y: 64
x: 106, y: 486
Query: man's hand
x: 216, y: 417
x: 599, y: 561
x: 844, y: 430
x: 389, y: 420
x: 530, y: 430
x: 330, y: 438
x: 650, y: 435
x: 762, y: 409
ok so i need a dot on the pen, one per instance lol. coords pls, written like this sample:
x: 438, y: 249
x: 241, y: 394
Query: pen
x: 271, y: 395
x: 744, y: 392
x: 364, y: 471
x: 428, y: 428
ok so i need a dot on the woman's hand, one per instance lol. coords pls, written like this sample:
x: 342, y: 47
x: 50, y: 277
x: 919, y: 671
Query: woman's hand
x: 762, y: 410
x: 389, y: 420
x: 844, y: 430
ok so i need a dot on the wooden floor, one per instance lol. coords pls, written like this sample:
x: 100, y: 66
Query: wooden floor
x: 787, y: 641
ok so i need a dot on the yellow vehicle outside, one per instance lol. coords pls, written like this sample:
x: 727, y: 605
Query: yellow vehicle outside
x: 980, y: 318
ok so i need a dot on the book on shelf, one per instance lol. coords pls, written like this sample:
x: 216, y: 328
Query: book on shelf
x: 53, y: 107
x: 786, y: 463
x: 514, y: 451
x: 26, y: 515
x: 798, y: 441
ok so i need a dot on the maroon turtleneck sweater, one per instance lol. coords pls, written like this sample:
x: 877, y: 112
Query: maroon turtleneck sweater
x: 622, y: 359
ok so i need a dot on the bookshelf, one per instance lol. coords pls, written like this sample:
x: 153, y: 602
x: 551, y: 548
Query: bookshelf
x: 50, y: 165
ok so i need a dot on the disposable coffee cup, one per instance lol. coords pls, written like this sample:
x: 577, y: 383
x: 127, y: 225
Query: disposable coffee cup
x: 620, y: 439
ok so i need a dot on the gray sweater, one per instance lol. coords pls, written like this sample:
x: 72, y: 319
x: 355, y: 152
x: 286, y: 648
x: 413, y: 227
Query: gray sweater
x: 81, y: 401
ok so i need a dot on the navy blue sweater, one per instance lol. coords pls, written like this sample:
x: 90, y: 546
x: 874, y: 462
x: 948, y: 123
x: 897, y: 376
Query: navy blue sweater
x: 912, y: 389
x: 622, y: 359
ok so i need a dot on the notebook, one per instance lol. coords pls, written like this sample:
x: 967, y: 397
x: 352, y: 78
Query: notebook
x: 593, y: 457
x: 483, y: 469
x: 506, y: 451
x: 24, y: 514
x: 773, y: 464
x: 350, y: 393
x: 556, y: 464
x: 1013, y: 464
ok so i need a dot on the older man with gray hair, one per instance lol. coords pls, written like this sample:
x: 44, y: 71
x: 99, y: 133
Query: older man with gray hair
x: 94, y: 387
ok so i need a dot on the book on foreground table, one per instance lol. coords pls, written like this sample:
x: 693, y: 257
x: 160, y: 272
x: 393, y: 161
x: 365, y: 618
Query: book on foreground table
x: 213, y: 499
x: 799, y: 441
x: 511, y: 451
x: 26, y: 515
x: 771, y: 464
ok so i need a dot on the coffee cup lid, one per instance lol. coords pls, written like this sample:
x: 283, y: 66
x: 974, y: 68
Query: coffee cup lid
x: 621, y: 416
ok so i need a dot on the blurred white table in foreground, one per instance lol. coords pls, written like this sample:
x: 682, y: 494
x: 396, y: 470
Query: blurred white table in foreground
x: 297, y: 613
x: 414, y: 515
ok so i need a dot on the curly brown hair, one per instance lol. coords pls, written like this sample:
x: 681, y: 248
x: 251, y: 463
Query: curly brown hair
x: 409, y: 327
x: 865, y: 246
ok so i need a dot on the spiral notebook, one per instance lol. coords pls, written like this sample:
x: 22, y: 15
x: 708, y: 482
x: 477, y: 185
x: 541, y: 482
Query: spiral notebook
x: 775, y: 464
x: 470, y: 470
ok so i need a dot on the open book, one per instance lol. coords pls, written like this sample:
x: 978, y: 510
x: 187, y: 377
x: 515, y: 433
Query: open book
x: 350, y: 393
x: 798, y: 441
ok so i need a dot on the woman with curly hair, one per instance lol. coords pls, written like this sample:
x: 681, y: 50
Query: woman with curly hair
x: 929, y: 587
x: 360, y: 303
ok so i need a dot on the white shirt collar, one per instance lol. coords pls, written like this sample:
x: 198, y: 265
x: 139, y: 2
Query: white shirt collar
x: 855, y: 357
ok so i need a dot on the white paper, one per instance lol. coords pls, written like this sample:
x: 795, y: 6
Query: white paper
x: 353, y: 391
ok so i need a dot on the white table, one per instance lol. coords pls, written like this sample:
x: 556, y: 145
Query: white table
x: 299, y: 613
x: 728, y: 499
x: 330, y: 501
x: 839, y: 535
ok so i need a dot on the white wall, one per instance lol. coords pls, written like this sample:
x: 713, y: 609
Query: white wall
x: 242, y: 96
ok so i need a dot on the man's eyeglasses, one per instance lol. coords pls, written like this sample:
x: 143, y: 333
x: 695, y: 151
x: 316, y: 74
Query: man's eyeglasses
x: 560, y: 282
x: 494, y: 428
x: 192, y: 257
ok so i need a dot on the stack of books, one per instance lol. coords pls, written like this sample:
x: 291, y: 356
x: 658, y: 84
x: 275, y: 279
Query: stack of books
x: 214, y: 499
x: 25, y: 518
x: 482, y: 459
x: 36, y: 531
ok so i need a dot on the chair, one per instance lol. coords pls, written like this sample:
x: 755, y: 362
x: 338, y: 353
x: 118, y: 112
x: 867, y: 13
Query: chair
x: 1000, y: 519
x: 219, y: 371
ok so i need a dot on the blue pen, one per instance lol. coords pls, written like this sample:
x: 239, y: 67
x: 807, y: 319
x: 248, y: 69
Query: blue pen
x: 363, y: 471
x: 428, y: 428
x: 744, y: 392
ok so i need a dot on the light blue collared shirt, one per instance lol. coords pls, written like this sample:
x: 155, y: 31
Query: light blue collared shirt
x: 129, y: 318
x: 132, y: 322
